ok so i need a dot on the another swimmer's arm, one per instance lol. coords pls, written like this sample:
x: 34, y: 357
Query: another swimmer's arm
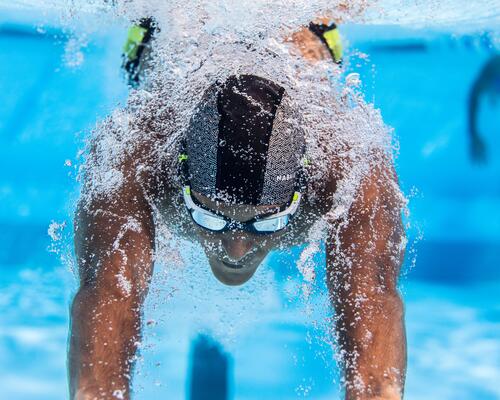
x: 473, y: 107
x: 364, y: 258
x: 477, y: 146
x: 114, y: 241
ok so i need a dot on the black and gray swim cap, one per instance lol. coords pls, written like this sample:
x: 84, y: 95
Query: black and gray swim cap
x: 241, y: 143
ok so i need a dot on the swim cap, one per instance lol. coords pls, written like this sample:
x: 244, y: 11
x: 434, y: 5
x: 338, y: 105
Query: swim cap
x: 242, y: 144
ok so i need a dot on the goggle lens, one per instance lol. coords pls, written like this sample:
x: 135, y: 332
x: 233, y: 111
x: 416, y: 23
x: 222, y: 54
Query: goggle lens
x: 207, y: 221
x: 271, y: 224
x: 217, y: 223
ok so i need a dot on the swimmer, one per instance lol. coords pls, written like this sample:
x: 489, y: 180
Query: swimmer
x: 488, y: 82
x: 240, y: 189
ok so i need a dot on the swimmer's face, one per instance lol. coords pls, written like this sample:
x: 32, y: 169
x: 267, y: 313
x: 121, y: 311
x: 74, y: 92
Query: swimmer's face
x: 234, y: 256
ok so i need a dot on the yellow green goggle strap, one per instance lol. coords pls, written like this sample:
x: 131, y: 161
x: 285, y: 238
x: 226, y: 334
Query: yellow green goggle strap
x: 330, y: 36
x: 135, y: 37
x: 334, y: 42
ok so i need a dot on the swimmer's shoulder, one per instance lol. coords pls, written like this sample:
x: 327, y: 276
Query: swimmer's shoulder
x: 322, y: 178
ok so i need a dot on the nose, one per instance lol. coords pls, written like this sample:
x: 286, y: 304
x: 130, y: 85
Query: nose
x: 237, y: 247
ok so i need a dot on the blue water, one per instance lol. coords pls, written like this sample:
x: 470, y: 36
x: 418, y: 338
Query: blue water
x: 452, y: 294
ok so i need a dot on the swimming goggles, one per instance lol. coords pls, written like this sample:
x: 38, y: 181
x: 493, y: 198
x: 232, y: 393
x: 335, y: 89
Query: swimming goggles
x: 219, y: 223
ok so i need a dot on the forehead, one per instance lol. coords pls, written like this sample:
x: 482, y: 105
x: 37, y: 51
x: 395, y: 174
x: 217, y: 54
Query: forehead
x: 238, y: 212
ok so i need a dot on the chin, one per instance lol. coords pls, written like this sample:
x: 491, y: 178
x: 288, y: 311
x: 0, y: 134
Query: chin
x: 232, y: 274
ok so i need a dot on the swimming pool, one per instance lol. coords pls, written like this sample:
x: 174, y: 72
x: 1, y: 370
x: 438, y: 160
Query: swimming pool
x: 420, y: 82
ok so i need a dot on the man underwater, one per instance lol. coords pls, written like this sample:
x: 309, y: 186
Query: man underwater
x: 240, y: 190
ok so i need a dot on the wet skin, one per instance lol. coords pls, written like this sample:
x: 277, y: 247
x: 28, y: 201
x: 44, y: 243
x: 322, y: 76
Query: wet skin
x: 364, y: 255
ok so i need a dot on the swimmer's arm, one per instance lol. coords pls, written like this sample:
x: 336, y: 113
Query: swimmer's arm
x: 473, y: 109
x: 482, y: 84
x: 114, y: 241
x: 477, y: 147
x: 364, y: 257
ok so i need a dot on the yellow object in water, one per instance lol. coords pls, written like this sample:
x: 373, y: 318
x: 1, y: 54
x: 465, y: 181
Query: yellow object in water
x: 334, y: 42
x: 135, y: 37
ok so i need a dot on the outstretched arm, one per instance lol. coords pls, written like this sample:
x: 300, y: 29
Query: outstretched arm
x: 114, y: 249
x: 114, y: 243
x: 364, y: 258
